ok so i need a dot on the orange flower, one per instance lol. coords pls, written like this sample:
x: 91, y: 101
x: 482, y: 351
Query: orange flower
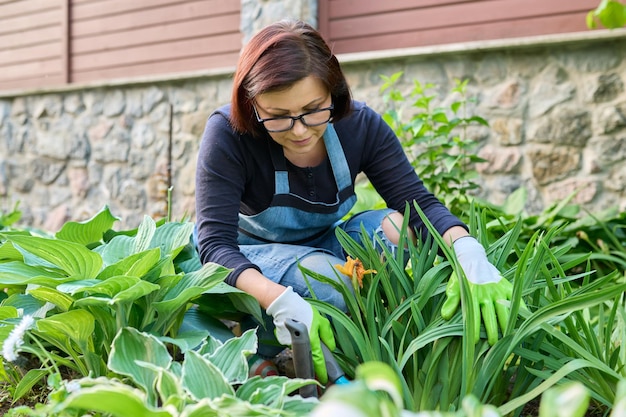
x: 355, y: 270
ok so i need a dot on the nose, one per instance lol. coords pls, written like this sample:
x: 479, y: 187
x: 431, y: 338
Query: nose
x: 299, y: 128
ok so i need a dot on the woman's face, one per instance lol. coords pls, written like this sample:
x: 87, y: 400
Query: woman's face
x: 306, y: 95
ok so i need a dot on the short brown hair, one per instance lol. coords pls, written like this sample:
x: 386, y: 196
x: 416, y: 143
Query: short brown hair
x: 277, y: 57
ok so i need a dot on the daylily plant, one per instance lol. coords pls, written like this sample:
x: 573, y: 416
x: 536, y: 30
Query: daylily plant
x: 355, y: 270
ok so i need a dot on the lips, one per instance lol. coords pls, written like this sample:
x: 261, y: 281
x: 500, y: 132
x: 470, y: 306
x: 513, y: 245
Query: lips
x: 301, y: 142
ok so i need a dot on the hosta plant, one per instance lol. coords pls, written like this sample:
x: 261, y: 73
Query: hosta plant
x: 211, y: 380
x: 81, y: 286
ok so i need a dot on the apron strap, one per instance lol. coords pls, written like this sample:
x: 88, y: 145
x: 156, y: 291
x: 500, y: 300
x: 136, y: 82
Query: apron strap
x: 338, y: 162
x: 337, y: 157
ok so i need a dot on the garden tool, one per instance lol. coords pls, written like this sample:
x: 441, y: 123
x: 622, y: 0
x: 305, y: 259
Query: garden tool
x: 303, y: 359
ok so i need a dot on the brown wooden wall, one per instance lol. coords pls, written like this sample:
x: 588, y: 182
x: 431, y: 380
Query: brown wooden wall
x: 47, y: 43
x: 128, y: 38
x: 32, y: 43
x: 369, y: 25
x: 51, y: 42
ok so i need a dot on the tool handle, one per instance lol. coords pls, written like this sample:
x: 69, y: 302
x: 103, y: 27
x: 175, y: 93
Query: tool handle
x: 302, y: 355
x: 335, y: 373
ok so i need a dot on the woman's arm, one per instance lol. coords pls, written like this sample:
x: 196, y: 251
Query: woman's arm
x: 260, y: 287
x: 454, y: 233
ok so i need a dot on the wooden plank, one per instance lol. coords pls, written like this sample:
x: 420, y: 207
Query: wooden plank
x: 143, y: 19
x: 157, y: 68
x: 78, y: 2
x: 158, y: 52
x: 32, y: 69
x: 156, y: 34
x: 348, y: 8
x: 44, y: 50
x: 567, y: 23
x: 97, y: 10
x: 37, y: 19
x: 27, y: 7
x: 30, y: 37
x: 30, y: 83
x: 463, y: 14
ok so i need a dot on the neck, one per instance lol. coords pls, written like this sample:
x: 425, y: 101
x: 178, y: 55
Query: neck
x: 309, y: 159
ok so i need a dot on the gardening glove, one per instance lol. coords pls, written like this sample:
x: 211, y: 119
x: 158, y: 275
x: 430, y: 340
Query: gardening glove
x: 290, y: 305
x: 487, y: 288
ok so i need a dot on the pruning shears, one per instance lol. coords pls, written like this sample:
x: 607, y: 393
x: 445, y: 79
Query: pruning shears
x: 303, y: 359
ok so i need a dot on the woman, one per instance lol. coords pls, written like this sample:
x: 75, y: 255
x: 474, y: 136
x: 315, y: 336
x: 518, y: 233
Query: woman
x: 275, y: 176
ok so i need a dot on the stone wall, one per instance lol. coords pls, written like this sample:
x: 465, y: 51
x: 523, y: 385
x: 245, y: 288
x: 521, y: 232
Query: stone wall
x: 557, y: 113
x: 556, y: 108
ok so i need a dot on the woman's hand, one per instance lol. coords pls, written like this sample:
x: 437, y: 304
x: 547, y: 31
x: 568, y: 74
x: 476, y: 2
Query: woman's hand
x: 487, y: 289
x: 290, y: 305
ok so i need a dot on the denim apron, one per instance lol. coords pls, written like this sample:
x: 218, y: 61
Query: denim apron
x: 291, y: 218
x: 288, y: 229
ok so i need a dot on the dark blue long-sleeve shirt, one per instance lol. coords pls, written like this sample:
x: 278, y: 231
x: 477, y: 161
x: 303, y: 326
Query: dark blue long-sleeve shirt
x: 235, y: 174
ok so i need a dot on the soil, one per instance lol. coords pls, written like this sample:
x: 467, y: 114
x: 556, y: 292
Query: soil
x: 6, y: 403
x: 532, y: 410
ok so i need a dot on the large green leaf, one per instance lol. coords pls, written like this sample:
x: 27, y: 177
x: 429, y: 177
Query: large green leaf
x: 90, y: 231
x: 169, y: 389
x: 187, y: 340
x: 230, y: 357
x: 7, y: 312
x: 121, y: 302
x: 116, y: 400
x: 145, y: 233
x: 19, y: 273
x: 226, y: 301
x: 130, y: 347
x: 28, y: 304
x: 193, y: 284
x: 9, y: 253
x: 117, y: 249
x: 137, y: 265
x: 172, y: 237
x: 76, y: 260
x: 140, y: 289
x: 77, y: 325
x: 195, y: 320
x: 203, y: 408
x: 202, y: 379
x: 81, y: 285
x: 119, y: 288
x: 62, y: 301
x: 272, y: 389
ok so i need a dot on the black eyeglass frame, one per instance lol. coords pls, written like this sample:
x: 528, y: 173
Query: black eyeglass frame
x: 294, y: 118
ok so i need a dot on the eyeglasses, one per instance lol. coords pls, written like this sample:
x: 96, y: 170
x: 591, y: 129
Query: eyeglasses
x: 284, y: 123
